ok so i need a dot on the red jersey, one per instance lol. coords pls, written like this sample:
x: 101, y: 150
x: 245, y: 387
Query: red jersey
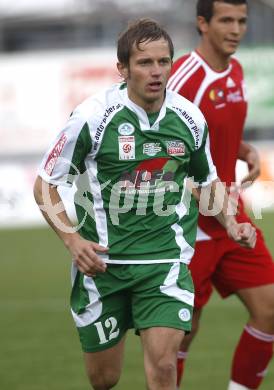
x: 221, y: 98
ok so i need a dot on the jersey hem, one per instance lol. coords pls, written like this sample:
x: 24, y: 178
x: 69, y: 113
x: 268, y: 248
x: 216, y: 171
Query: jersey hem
x: 149, y: 261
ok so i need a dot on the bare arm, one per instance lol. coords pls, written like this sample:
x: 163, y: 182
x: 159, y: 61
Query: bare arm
x: 214, y: 197
x: 250, y: 155
x: 83, y: 251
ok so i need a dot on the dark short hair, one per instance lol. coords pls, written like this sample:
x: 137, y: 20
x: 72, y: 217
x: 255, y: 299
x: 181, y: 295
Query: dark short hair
x: 139, y: 31
x: 205, y: 7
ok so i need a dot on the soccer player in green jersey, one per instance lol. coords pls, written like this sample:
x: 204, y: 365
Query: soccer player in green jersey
x: 128, y: 150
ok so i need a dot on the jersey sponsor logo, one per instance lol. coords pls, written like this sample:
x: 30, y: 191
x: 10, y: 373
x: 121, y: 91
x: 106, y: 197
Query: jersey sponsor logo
x: 126, y: 148
x: 175, y: 148
x: 100, y: 129
x: 149, y: 174
x: 193, y: 127
x: 152, y: 179
x: 184, y: 315
x: 151, y: 148
x: 235, y: 97
x: 230, y: 83
x: 217, y: 96
x: 126, y: 129
x: 54, y: 154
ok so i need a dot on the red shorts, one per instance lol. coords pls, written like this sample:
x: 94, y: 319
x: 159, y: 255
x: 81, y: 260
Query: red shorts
x: 229, y: 267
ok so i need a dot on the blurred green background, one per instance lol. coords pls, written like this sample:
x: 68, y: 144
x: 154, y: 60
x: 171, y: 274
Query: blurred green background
x: 39, y: 345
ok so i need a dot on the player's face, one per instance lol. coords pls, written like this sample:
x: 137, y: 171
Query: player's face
x: 147, y: 74
x: 226, y: 27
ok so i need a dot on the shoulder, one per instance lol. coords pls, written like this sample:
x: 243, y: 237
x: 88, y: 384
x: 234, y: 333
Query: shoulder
x: 99, y: 105
x: 189, y: 114
x: 180, y: 61
x: 180, y: 105
x: 236, y: 65
x: 188, y: 62
x: 187, y: 70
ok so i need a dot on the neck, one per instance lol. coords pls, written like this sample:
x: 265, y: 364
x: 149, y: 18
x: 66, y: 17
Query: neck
x: 148, y: 106
x: 218, y: 61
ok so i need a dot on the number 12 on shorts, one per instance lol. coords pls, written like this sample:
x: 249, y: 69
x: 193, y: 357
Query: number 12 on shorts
x: 111, y: 323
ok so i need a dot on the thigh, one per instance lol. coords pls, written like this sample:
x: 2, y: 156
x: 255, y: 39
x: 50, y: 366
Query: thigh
x: 163, y: 297
x: 202, y: 267
x: 101, y: 310
x: 243, y: 268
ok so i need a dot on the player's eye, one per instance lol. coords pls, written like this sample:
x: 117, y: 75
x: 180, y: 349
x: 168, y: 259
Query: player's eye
x: 226, y: 20
x: 243, y: 21
x: 165, y: 61
x: 144, y: 62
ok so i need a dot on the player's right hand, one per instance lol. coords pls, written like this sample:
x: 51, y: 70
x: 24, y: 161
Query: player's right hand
x: 84, y: 255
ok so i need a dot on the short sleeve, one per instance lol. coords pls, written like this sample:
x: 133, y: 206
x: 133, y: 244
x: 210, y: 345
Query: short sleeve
x: 65, y: 157
x: 201, y: 167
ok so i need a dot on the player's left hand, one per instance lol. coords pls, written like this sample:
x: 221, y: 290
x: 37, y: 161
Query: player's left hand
x: 253, y: 162
x: 243, y: 233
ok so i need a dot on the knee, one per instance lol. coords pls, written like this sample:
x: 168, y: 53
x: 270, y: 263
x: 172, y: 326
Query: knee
x: 268, y: 315
x: 104, y: 379
x: 264, y: 316
x: 165, y: 371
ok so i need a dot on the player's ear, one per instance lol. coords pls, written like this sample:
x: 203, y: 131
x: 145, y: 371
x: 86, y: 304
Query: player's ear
x: 202, y: 24
x: 123, y: 71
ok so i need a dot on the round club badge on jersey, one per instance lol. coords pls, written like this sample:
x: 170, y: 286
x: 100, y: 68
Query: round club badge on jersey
x: 126, y: 129
x: 184, y: 315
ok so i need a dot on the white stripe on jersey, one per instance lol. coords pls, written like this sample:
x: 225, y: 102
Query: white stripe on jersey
x: 98, y: 206
x: 171, y: 288
x: 210, y: 78
x: 180, y: 73
x: 94, y: 308
x: 212, y: 169
x: 187, y: 76
x: 185, y: 71
x: 186, y: 250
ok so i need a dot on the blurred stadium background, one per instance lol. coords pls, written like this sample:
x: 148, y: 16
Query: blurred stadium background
x: 53, y: 54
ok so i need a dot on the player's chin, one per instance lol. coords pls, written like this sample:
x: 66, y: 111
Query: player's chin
x: 230, y: 50
x: 153, y: 97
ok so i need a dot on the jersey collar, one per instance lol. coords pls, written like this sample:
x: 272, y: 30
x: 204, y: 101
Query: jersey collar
x: 141, y: 113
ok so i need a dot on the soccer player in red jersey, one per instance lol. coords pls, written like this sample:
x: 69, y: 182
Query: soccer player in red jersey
x: 213, y: 79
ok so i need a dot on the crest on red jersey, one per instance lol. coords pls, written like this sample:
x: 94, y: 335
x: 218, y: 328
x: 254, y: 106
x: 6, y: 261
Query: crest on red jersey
x: 217, y: 96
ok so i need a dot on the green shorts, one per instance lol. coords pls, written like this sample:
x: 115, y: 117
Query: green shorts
x: 130, y: 296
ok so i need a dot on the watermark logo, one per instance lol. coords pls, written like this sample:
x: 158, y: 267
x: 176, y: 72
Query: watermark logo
x: 141, y: 193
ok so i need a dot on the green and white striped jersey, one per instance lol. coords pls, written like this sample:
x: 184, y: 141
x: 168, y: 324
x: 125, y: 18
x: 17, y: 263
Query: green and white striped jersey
x: 129, y: 169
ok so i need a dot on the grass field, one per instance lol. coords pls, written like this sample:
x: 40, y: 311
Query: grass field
x: 39, y: 347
